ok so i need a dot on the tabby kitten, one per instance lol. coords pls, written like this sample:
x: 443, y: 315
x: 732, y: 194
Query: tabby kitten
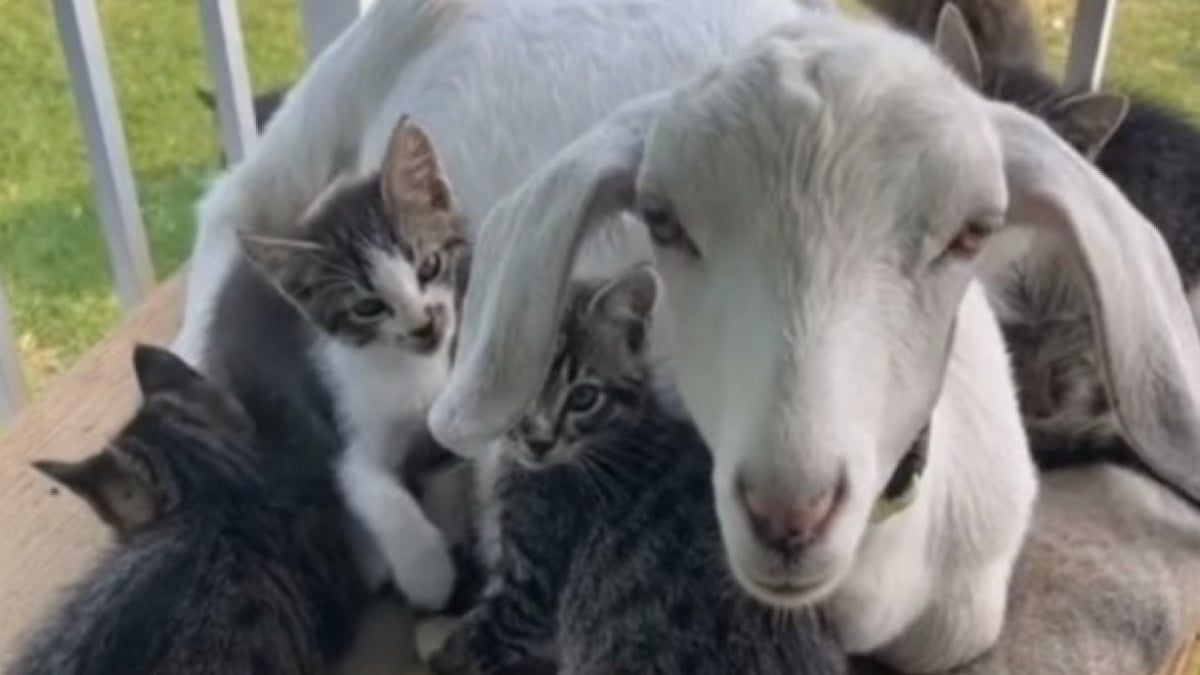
x: 221, y: 567
x: 1153, y: 155
x: 373, y: 269
x: 600, y: 527
x: 1004, y: 30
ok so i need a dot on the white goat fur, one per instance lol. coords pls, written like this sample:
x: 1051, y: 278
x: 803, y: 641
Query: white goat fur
x: 821, y: 177
x: 500, y: 86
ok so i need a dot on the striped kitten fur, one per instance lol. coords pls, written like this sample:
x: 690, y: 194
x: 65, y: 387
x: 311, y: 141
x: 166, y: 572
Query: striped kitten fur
x: 223, y: 564
x: 599, y: 526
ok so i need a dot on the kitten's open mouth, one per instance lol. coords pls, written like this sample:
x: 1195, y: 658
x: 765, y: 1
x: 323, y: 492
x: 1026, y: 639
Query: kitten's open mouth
x: 424, y: 339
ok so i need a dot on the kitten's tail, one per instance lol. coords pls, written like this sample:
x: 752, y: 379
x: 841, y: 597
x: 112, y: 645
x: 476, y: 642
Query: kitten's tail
x: 313, y: 137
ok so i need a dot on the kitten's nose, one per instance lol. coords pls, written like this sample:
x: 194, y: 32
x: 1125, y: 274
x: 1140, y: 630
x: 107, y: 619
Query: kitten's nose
x: 539, y: 447
x: 435, y: 321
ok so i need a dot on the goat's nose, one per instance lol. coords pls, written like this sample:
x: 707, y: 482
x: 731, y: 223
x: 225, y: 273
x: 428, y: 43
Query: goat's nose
x: 787, y: 526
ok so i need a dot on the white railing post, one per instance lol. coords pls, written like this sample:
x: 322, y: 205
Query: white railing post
x: 1089, y: 44
x: 226, y: 55
x: 324, y: 20
x: 112, y: 178
x: 12, y: 382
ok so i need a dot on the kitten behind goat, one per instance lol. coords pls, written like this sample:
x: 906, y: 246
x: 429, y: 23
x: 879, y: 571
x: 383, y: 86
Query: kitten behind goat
x: 222, y: 566
x: 599, y: 526
x: 373, y: 267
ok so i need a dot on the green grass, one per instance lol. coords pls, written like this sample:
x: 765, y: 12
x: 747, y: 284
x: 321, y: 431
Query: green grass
x: 52, y: 256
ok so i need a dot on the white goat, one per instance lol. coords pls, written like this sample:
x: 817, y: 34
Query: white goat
x: 500, y: 86
x: 818, y: 205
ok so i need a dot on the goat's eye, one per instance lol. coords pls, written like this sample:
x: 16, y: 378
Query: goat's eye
x: 901, y: 489
x: 583, y: 398
x: 970, y: 240
x: 666, y: 230
x: 429, y: 268
x: 369, y: 308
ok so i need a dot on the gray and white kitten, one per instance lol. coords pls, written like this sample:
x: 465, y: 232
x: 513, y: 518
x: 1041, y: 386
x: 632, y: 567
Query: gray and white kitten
x: 231, y: 554
x: 373, y: 269
x: 600, y: 527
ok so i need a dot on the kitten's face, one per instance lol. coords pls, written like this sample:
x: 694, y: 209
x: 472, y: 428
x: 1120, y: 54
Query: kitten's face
x: 599, y: 378
x: 188, y: 439
x: 376, y: 261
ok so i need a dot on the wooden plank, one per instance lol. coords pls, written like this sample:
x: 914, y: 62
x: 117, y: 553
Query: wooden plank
x: 12, y: 381
x: 1089, y: 44
x: 324, y: 20
x: 1188, y: 660
x: 112, y: 178
x: 226, y: 55
x: 49, y: 536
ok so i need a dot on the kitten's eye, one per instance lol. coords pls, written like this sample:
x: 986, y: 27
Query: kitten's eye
x: 369, y: 308
x: 970, y: 240
x: 583, y: 398
x: 430, y: 268
x: 666, y: 230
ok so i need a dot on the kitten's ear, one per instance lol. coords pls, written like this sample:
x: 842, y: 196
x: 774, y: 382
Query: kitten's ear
x: 411, y: 175
x: 952, y: 40
x: 82, y: 477
x: 118, y: 496
x: 629, y: 299
x: 277, y: 257
x: 1088, y: 121
x: 159, y: 370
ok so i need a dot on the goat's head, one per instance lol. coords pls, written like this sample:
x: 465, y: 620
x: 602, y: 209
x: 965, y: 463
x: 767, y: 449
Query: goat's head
x: 817, y: 207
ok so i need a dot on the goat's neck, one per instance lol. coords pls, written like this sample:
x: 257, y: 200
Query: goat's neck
x: 962, y: 533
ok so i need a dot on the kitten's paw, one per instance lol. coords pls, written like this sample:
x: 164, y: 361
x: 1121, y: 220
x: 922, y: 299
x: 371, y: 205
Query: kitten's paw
x: 448, y: 661
x: 431, y: 635
x: 427, y: 577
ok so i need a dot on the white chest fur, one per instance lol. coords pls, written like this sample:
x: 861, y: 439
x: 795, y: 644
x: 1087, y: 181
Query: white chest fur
x: 382, y: 392
x: 382, y: 395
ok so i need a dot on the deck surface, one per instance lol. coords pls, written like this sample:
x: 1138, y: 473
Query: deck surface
x: 49, y: 537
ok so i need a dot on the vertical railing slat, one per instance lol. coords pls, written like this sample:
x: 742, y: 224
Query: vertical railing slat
x: 12, y: 382
x: 324, y: 20
x: 112, y: 179
x: 1089, y: 44
x: 226, y: 55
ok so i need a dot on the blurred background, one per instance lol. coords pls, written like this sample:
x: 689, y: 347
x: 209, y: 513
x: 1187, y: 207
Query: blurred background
x: 52, y: 255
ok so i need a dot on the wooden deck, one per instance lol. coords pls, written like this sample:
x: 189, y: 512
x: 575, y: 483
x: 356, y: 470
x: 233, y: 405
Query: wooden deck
x: 49, y: 537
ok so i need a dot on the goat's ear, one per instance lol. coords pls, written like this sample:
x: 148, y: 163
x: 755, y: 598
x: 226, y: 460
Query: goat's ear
x: 1088, y: 121
x: 952, y: 40
x: 522, y: 260
x: 1146, y: 336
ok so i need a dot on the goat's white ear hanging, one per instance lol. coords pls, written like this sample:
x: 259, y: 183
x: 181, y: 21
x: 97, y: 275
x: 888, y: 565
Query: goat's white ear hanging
x: 522, y: 260
x: 1147, y: 338
x: 952, y: 40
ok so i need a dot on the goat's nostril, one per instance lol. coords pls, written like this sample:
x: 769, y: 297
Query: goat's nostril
x: 785, y: 525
